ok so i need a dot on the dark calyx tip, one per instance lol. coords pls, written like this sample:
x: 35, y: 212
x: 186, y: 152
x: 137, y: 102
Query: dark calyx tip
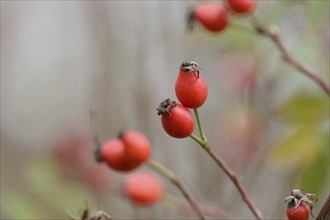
x: 185, y: 66
x: 190, y: 67
x: 121, y: 134
x: 165, y: 107
x: 293, y: 203
x: 191, y: 20
x: 98, y: 155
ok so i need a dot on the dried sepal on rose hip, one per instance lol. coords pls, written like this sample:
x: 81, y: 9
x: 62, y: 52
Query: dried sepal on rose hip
x: 211, y: 15
x: 190, y: 87
x: 241, y: 7
x: 143, y: 188
x: 300, y: 205
x: 85, y: 215
x: 176, y: 119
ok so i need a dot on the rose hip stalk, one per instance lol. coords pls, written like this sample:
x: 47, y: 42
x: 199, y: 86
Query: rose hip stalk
x: 190, y: 87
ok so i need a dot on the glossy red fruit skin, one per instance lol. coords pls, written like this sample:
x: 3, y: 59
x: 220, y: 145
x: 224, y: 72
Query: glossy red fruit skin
x: 113, y: 153
x: 241, y: 6
x: 191, y: 89
x: 143, y: 188
x: 300, y: 213
x: 137, y: 146
x: 179, y: 123
x: 212, y: 15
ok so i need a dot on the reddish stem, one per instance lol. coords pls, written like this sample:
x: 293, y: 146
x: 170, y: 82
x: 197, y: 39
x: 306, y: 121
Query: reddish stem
x: 179, y: 184
x: 325, y: 210
x: 223, y: 165
x: 233, y: 177
x: 275, y: 37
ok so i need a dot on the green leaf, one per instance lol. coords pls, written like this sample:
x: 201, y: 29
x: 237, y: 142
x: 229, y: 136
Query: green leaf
x: 299, y: 148
x: 305, y: 109
x: 314, y: 176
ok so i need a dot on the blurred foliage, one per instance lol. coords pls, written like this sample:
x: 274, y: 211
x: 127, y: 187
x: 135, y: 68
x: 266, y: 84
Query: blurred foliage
x: 314, y: 177
x: 299, y: 149
x: 314, y: 11
x: 305, y: 109
x: 306, y: 148
x: 45, y: 193
x: 19, y: 206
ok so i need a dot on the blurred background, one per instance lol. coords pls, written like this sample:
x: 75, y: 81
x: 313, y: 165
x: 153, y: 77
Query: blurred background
x: 60, y: 59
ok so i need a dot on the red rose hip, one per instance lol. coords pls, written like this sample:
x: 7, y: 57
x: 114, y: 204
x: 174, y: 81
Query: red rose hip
x: 143, y: 188
x: 137, y: 146
x: 211, y: 15
x: 298, y: 213
x: 300, y: 205
x: 113, y: 153
x: 241, y: 6
x: 190, y: 87
x: 176, y: 119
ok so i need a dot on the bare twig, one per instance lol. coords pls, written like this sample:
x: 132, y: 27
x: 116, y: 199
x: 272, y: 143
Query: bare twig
x: 325, y: 210
x: 273, y: 34
x: 231, y: 174
x: 223, y: 165
x: 179, y: 184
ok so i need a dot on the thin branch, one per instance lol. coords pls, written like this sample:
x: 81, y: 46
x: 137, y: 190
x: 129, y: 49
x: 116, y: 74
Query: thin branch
x: 228, y: 171
x: 273, y: 34
x: 179, y: 184
x: 325, y: 210
x: 233, y: 177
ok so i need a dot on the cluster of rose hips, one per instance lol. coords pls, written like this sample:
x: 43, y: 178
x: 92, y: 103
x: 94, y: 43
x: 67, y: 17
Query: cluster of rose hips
x: 125, y: 153
x: 191, y: 90
x: 132, y: 148
x: 300, y: 205
x: 214, y: 16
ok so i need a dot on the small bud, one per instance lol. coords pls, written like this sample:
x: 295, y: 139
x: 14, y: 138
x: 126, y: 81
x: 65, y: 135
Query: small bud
x: 274, y: 29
